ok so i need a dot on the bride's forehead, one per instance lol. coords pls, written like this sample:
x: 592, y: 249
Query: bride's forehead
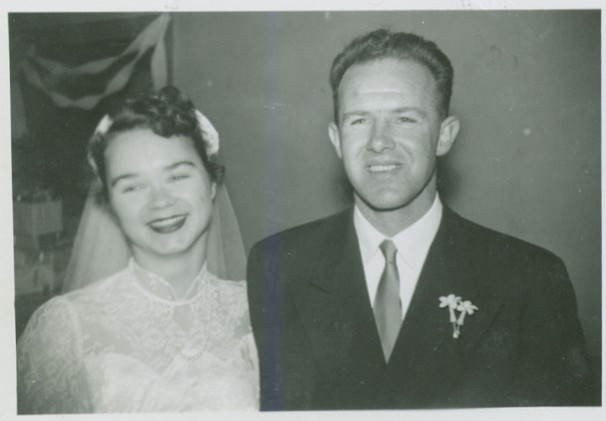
x: 145, y: 145
x: 150, y: 157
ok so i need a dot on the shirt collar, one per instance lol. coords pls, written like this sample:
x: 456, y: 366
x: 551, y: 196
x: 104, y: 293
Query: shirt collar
x: 413, y: 242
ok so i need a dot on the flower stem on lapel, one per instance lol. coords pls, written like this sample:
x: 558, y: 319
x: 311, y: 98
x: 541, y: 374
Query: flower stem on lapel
x: 453, y: 303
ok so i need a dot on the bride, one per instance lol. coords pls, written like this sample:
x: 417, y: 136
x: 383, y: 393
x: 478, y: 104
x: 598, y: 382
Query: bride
x: 162, y: 333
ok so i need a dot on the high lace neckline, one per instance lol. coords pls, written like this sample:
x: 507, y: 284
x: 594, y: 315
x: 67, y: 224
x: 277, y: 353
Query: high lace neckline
x: 161, y: 289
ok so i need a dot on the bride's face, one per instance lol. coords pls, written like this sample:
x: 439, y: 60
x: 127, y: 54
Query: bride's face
x: 160, y: 193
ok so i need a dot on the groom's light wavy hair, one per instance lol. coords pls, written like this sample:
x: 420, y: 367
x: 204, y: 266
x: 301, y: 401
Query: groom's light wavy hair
x: 383, y: 44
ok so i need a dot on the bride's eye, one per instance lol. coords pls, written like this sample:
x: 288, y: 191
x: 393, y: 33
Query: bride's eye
x: 178, y: 177
x: 131, y: 188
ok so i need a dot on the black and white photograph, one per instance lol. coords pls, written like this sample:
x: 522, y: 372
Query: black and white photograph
x: 337, y: 210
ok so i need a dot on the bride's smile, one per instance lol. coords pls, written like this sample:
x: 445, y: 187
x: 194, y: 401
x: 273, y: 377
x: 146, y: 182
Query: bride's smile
x: 168, y: 225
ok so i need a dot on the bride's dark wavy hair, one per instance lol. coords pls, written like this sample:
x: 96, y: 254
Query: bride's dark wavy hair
x: 167, y: 113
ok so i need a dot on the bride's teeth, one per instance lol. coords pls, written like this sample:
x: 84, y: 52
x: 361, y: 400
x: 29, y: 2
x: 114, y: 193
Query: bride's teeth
x: 166, y: 222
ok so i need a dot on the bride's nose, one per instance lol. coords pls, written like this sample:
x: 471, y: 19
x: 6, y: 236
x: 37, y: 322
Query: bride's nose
x: 160, y: 196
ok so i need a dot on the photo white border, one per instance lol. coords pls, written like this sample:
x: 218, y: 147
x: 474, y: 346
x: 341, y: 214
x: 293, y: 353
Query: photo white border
x: 7, y: 320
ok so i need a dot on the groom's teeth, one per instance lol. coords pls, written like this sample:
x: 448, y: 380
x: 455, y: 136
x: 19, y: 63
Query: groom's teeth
x: 382, y: 168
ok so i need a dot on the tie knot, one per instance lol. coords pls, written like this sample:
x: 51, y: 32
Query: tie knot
x: 389, y: 250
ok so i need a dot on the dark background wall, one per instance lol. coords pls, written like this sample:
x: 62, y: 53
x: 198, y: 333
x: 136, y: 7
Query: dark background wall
x: 527, y: 90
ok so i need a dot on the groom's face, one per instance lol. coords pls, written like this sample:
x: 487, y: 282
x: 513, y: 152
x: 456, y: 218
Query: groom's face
x: 389, y: 133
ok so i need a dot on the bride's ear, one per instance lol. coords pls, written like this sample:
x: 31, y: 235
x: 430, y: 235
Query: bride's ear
x: 103, y: 202
x: 213, y: 190
x: 107, y: 207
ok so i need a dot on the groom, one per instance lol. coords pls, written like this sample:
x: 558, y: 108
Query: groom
x: 398, y: 302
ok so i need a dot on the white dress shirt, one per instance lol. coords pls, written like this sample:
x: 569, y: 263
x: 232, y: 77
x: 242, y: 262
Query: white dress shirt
x: 412, y: 243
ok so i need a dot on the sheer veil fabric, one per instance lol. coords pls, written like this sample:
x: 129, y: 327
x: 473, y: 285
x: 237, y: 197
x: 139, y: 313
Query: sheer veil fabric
x: 100, y: 249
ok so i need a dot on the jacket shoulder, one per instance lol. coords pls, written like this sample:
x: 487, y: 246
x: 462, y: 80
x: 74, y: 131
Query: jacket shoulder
x: 481, y: 240
x: 308, y: 236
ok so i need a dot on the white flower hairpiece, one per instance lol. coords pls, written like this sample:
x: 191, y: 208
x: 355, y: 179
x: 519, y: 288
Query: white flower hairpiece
x: 104, y: 125
x: 210, y: 136
x: 456, y: 303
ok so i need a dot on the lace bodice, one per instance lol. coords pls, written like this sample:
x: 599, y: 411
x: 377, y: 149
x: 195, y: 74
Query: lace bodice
x: 128, y: 345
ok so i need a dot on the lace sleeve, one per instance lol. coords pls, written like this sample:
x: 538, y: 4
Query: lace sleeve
x: 247, y: 341
x: 235, y: 308
x: 250, y: 355
x: 49, y: 362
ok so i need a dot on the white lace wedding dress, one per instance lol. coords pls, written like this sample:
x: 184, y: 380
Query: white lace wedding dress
x: 127, y: 344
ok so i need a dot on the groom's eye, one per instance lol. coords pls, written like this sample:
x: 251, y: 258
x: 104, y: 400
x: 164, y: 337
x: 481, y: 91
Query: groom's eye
x: 360, y: 121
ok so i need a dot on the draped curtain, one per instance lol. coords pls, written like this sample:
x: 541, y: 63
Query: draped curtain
x: 57, y: 96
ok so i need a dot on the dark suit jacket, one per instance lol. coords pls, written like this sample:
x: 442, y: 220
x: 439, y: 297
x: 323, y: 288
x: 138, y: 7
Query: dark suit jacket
x: 319, y: 347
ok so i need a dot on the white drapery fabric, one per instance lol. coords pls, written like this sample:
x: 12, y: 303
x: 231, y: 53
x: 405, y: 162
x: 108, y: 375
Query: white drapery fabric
x: 152, y: 37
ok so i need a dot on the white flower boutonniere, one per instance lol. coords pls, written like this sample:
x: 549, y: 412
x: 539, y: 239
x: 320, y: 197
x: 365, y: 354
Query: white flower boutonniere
x: 456, y: 303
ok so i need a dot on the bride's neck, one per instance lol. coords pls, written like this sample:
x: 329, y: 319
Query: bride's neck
x: 179, y: 270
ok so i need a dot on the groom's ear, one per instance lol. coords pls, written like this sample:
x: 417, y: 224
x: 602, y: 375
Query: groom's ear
x: 449, y: 128
x: 335, y: 137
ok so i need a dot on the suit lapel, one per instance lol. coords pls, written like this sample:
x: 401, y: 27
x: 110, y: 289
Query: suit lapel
x: 427, y: 359
x: 335, y: 309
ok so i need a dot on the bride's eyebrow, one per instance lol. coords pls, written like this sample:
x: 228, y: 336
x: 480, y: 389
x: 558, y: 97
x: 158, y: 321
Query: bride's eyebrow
x: 123, y: 177
x: 128, y: 176
x: 178, y: 164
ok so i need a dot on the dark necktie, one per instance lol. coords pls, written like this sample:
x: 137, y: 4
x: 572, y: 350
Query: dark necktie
x: 388, y: 307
